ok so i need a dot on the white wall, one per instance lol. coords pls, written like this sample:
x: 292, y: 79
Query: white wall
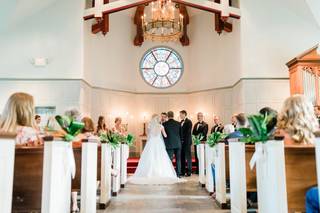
x: 63, y: 94
x: 272, y: 33
x: 54, y: 31
x: 112, y: 61
x: 214, y: 58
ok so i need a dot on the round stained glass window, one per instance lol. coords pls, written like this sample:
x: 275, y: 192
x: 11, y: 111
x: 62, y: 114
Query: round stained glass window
x: 161, y: 67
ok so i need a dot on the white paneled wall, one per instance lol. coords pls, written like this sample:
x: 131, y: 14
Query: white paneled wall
x: 249, y: 95
x: 63, y: 94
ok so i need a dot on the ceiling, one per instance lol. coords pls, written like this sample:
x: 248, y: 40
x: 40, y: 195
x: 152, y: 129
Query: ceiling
x: 15, y: 10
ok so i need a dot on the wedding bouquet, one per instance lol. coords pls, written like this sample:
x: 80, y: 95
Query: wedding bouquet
x: 214, y: 138
x: 72, y: 128
x: 258, y: 131
x: 197, y: 139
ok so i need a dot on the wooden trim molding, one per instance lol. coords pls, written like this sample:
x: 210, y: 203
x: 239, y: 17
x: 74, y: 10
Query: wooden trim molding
x: 144, y: 93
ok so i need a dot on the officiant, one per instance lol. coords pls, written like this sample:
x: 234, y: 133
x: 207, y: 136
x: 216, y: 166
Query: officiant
x: 200, y: 128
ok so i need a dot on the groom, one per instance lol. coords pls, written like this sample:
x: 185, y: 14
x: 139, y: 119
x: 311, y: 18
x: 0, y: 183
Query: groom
x: 173, y: 140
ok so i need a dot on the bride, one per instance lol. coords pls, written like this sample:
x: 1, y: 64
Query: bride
x: 155, y: 166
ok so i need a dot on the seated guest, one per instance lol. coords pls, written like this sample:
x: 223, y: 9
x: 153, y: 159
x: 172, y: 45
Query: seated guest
x: 73, y: 114
x: 312, y: 200
x: 37, y: 118
x: 200, y: 128
x: 18, y: 117
x: 101, y: 128
x: 54, y: 129
x: 297, y: 121
x: 217, y: 125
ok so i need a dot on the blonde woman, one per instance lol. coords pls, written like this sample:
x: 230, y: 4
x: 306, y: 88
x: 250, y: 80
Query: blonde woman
x: 297, y: 121
x: 18, y: 117
x: 118, y: 128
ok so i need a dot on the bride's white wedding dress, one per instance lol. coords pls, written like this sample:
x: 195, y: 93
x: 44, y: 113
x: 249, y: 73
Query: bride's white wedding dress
x: 155, y: 166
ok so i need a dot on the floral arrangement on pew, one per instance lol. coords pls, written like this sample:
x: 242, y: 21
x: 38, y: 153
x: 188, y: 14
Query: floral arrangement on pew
x: 114, y: 139
x: 72, y: 128
x: 129, y: 139
x: 258, y: 131
x: 215, y: 137
x: 197, y: 139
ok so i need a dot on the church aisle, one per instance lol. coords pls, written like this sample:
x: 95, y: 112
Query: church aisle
x: 185, y: 197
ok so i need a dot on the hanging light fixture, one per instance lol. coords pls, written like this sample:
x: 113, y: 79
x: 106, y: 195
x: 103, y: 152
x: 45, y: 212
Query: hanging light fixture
x: 164, y: 23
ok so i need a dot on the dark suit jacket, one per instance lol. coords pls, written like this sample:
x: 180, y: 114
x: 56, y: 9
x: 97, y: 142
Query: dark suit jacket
x: 217, y: 128
x: 202, y: 129
x: 173, y: 130
x: 186, y: 129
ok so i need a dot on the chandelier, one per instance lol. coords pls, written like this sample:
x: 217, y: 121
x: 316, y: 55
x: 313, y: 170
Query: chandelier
x: 164, y: 23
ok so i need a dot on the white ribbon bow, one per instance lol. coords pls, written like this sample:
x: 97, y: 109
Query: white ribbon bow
x: 70, y: 164
x: 258, y: 154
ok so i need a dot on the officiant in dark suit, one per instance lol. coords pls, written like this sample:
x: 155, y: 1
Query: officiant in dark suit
x: 186, y: 140
x: 173, y: 140
x: 200, y: 128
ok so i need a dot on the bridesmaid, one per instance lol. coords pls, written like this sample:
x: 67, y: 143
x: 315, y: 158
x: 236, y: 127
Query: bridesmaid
x: 118, y: 127
x: 101, y: 127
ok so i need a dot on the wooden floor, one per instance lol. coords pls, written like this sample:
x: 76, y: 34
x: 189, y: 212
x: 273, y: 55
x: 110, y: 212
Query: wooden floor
x: 184, y: 197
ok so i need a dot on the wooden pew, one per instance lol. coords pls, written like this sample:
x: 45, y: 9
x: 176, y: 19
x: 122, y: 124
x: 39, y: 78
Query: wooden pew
x: 27, y: 186
x: 77, y: 150
x: 300, y: 174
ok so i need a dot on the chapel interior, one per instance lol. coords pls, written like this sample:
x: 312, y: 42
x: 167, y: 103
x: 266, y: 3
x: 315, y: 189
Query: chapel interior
x: 127, y: 60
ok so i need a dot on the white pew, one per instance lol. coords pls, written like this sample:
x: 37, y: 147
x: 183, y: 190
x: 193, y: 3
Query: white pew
x: 124, y: 161
x: 7, y: 152
x: 116, y: 155
x: 58, y: 168
x: 89, y: 161
x: 201, y: 158
x: 317, y: 145
x: 106, y: 161
x: 271, y: 177
x: 220, y: 175
x: 210, y: 157
x: 238, y: 182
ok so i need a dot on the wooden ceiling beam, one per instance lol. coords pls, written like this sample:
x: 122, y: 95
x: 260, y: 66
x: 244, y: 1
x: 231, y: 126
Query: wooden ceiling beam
x: 223, y: 8
x: 102, y: 24
x: 139, y: 39
x: 185, y: 41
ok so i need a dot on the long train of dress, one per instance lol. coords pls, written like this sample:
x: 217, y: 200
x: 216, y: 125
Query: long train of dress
x: 155, y: 166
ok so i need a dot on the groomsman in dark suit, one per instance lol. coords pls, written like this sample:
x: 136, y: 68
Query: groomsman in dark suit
x: 217, y: 126
x: 173, y: 140
x: 186, y: 139
x: 200, y: 128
